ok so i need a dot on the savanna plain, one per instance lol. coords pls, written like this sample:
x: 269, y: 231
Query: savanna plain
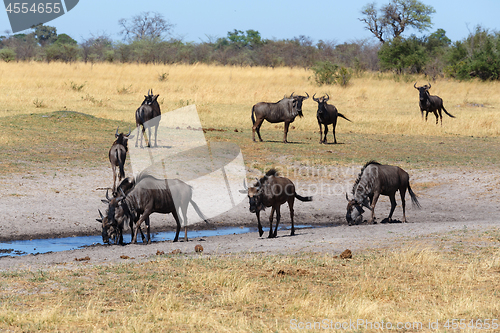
x: 438, y: 273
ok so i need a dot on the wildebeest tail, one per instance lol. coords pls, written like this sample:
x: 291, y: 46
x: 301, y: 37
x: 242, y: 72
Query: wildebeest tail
x: 414, y: 200
x: 448, y: 113
x: 342, y: 116
x: 301, y: 198
x: 253, y: 117
x: 198, y: 211
x: 120, y: 164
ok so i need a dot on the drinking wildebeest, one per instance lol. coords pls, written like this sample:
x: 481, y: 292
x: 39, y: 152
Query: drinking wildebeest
x: 272, y: 191
x: 112, y: 232
x: 430, y: 103
x: 118, y: 155
x: 327, y: 114
x: 283, y: 111
x: 152, y: 195
x: 374, y: 180
x: 148, y: 115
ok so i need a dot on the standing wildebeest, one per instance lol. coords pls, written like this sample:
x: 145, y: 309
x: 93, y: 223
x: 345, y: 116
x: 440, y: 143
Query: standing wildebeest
x: 283, y: 111
x: 152, y: 195
x: 272, y: 191
x: 118, y: 155
x: 430, y: 103
x: 375, y: 180
x: 148, y: 115
x: 327, y: 114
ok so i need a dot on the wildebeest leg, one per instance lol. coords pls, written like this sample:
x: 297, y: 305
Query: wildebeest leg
x: 258, y: 223
x: 392, y: 197
x: 148, y: 141
x: 326, y: 132
x: 148, y: 231
x: 113, y: 167
x: 156, y: 134
x: 437, y: 117
x: 290, y: 206
x: 271, y: 223
x: 440, y: 117
x: 143, y: 217
x: 256, y: 128
x: 178, y: 228
x: 278, y: 219
x: 402, y: 192
x: 426, y: 114
x: 184, y: 221
x: 374, y: 202
x: 137, y: 137
x: 320, y: 133
x: 287, y: 125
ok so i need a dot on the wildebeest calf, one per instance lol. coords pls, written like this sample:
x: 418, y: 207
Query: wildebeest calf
x: 272, y: 191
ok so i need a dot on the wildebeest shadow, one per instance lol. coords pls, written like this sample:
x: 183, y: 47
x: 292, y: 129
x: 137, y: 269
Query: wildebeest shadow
x: 332, y: 143
x: 288, y: 142
x: 386, y: 221
x: 154, y: 147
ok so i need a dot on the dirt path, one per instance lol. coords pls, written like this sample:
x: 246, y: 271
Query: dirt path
x: 65, y: 203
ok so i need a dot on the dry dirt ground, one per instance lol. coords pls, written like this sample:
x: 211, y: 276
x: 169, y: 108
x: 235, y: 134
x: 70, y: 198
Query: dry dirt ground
x: 65, y: 203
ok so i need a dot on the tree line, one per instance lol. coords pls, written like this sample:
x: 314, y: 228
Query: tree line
x: 147, y: 38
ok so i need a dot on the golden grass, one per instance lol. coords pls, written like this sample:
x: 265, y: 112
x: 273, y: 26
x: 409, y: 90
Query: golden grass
x: 375, y: 103
x: 452, y: 279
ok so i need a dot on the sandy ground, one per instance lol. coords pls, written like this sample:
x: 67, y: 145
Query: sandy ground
x: 64, y: 203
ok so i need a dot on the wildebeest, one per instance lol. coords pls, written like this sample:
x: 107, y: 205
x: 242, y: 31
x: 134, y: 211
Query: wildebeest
x: 113, y: 232
x: 283, y: 111
x: 272, y: 191
x: 118, y: 155
x: 430, y: 103
x: 148, y: 115
x: 327, y: 114
x: 374, y: 180
x: 152, y: 195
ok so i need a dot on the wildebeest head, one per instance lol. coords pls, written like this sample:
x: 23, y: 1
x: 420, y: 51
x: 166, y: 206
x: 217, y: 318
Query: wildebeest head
x: 297, y: 102
x: 254, y: 196
x: 150, y: 98
x: 355, y: 211
x: 122, y: 139
x: 321, y: 102
x: 112, y: 223
x: 423, y: 91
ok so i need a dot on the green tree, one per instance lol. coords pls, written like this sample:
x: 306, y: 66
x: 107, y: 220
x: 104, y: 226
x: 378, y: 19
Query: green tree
x: 7, y: 54
x: 403, y: 55
x: 396, y: 17
x: 45, y: 34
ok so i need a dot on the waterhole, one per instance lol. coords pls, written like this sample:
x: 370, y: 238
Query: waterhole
x: 38, y: 246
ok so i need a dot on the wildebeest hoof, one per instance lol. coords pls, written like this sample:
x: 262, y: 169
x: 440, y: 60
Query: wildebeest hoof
x: 261, y: 232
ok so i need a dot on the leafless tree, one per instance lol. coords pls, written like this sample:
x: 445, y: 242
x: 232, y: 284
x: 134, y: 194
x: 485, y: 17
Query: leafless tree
x: 146, y: 25
x: 395, y: 17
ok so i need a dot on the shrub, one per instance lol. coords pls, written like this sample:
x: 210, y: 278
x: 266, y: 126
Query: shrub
x: 7, y: 54
x: 329, y: 73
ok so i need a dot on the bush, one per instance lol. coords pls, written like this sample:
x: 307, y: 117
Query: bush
x: 329, y: 73
x: 7, y: 54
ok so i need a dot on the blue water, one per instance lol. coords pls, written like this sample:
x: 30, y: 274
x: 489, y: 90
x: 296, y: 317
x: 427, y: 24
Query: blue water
x: 36, y: 246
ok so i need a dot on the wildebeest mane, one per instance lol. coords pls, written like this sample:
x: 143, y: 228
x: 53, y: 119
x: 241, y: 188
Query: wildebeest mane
x: 361, y: 174
x: 262, y: 180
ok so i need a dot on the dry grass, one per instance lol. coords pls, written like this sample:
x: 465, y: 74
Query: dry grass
x: 377, y: 104
x: 249, y: 293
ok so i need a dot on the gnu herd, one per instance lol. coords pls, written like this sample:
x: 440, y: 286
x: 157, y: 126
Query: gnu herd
x: 134, y: 199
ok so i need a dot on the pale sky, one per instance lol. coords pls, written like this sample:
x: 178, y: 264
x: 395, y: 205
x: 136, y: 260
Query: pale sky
x: 328, y: 20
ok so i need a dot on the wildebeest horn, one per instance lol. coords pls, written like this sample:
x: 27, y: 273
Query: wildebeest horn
x: 129, y: 131
x: 307, y: 95
x: 314, y: 98
x: 429, y: 85
x: 123, y: 193
x: 346, y: 197
x: 116, y: 134
x: 327, y: 98
x: 415, y: 85
x: 99, y: 220
x: 245, y: 187
x: 107, y: 196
